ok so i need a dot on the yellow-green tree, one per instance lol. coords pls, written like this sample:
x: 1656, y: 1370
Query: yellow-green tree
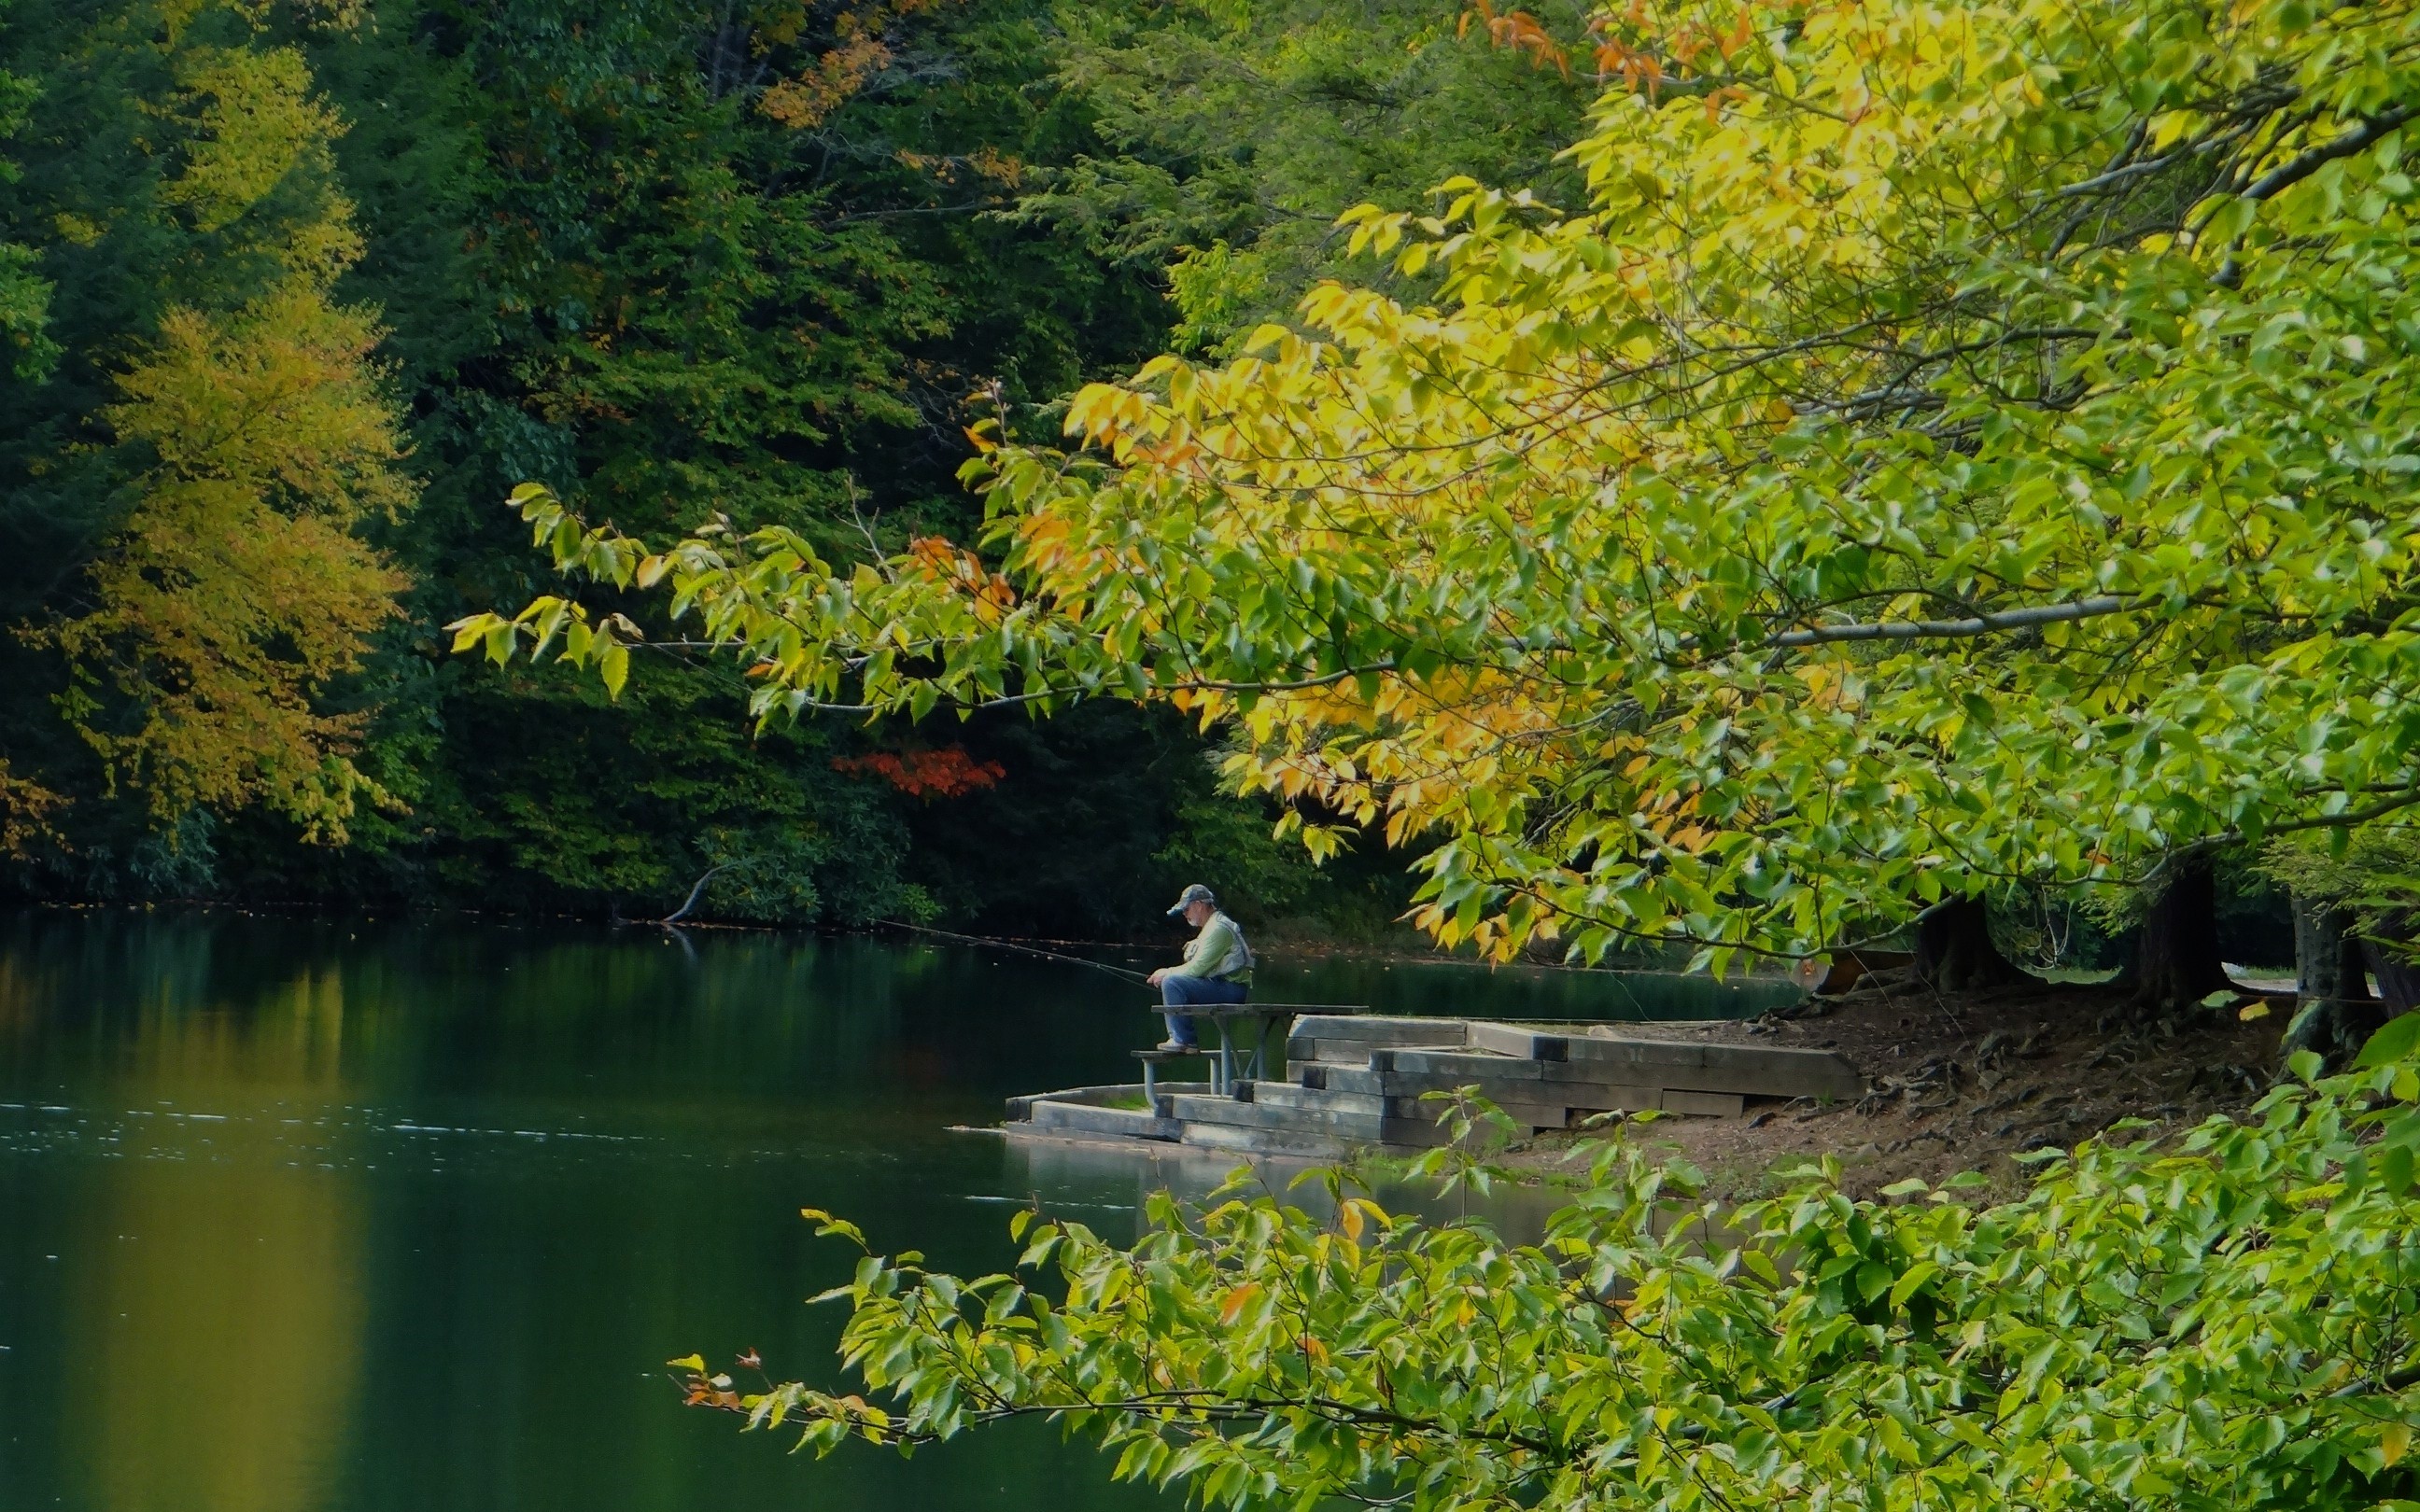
x: 1961, y: 445
x: 237, y: 588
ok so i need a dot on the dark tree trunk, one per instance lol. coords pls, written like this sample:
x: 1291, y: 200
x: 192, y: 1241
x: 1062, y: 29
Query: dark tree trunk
x: 2334, y: 1013
x: 2176, y: 949
x: 1954, y: 952
x: 2398, y: 980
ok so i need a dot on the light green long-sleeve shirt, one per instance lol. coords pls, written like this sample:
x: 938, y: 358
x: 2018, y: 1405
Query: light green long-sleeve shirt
x: 1218, y: 950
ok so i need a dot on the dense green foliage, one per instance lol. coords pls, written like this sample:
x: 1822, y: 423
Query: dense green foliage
x: 2221, y: 1321
x: 1240, y: 131
x: 680, y: 262
x: 1958, y: 449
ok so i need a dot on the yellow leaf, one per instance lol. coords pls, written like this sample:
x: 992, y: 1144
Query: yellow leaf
x: 2393, y: 1440
x: 1236, y: 1302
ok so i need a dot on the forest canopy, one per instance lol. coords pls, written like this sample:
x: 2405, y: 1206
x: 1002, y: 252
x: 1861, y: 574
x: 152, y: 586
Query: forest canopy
x: 1954, y: 449
x: 291, y: 293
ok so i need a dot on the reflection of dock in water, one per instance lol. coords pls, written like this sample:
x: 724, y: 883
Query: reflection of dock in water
x: 1354, y: 1080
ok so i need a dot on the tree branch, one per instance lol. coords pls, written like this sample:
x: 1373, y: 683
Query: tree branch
x: 2287, y: 173
x: 2014, y: 619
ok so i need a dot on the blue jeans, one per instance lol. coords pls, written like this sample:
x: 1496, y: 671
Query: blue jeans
x: 1185, y: 992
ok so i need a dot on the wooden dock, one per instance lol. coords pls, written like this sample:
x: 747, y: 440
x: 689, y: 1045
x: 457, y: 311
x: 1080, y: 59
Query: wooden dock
x: 1358, y: 1080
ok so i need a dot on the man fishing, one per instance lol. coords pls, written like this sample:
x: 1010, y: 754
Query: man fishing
x: 1218, y: 966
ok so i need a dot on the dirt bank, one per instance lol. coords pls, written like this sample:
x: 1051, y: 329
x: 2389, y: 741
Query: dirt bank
x: 1965, y: 1081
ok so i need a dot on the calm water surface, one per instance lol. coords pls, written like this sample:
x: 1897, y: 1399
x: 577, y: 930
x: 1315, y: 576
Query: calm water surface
x: 333, y: 1217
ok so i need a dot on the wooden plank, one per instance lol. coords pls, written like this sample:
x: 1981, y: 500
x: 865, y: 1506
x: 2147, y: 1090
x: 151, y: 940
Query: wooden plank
x: 1508, y: 1040
x: 1468, y: 1065
x: 1421, y: 1134
x: 1504, y: 1090
x: 1544, y: 1091
x: 1380, y: 1029
x: 1528, y: 1115
x: 1280, y: 1095
x: 1596, y: 1097
x: 1302, y: 1047
x: 1334, y: 1052
x: 1610, y: 1082
x: 1718, y: 1068
x: 1703, y: 1104
x: 1341, y: 1078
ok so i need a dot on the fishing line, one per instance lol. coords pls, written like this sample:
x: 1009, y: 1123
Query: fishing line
x: 1028, y: 950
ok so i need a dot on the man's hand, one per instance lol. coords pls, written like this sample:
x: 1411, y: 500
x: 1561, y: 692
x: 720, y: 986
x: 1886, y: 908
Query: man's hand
x: 1153, y: 978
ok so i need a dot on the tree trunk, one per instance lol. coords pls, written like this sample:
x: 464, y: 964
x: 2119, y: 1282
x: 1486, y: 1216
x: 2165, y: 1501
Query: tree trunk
x: 1954, y: 952
x: 2398, y: 980
x: 2334, y: 1013
x: 2176, y: 949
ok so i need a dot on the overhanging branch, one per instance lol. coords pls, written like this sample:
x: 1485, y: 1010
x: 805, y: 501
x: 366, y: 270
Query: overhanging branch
x: 2014, y: 619
x: 2369, y: 130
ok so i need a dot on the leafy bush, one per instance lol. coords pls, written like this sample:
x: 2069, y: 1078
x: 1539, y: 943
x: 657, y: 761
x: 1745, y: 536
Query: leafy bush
x: 2220, y: 1319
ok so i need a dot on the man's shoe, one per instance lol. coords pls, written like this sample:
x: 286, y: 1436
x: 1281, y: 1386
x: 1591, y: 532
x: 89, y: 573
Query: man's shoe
x: 1177, y: 1044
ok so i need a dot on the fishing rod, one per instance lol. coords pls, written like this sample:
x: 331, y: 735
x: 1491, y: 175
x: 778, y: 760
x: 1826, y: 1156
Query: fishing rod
x: 1028, y: 950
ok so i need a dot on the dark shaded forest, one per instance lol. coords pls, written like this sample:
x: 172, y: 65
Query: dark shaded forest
x: 293, y: 293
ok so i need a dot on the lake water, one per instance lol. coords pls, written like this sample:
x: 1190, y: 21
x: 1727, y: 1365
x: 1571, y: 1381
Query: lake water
x: 329, y: 1216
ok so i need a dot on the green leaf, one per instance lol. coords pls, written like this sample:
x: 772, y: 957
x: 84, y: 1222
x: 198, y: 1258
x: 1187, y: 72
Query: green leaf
x: 2394, y: 1041
x: 1912, y: 1281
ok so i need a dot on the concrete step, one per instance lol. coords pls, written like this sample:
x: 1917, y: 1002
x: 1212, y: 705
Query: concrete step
x: 1242, y: 1141
x: 1336, y: 1123
x: 1084, y: 1117
x: 1416, y: 1126
x: 1021, y: 1105
x: 1279, y: 1095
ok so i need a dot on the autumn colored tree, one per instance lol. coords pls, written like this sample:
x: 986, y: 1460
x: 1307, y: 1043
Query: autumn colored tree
x: 242, y: 443
x: 680, y: 258
x: 1958, y: 447
x: 239, y: 591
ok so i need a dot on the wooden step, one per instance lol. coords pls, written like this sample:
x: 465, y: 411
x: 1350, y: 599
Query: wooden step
x: 1380, y: 1029
x: 1752, y: 1071
x: 1338, y: 1052
x: 1348, y: 1039
x: 1290, y: 1095
x: 1519, y: 1093
x: 1511, y: 1040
